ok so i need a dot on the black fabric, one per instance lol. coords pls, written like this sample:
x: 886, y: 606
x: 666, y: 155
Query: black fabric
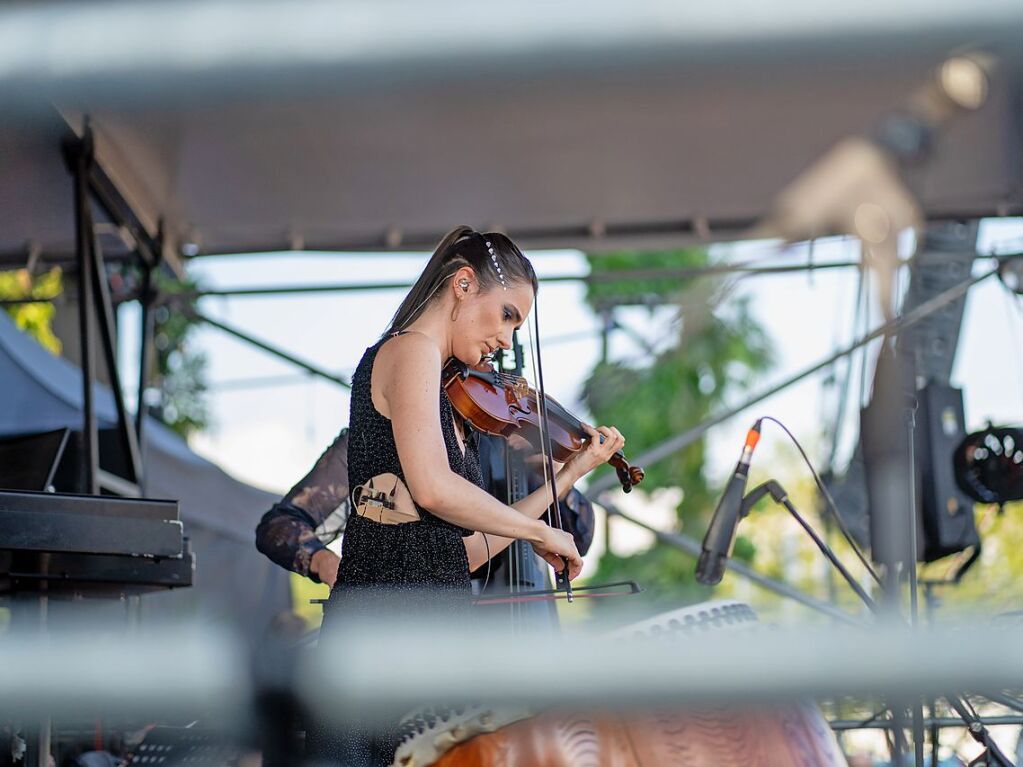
x: 286, y: 534
x: 371, y: 448
x: 578, y: 520
x: 389, y: 570
x: 318, y: 505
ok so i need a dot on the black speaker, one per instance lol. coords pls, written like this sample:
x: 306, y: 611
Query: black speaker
x: 884, y: 442
x: 945, y: 512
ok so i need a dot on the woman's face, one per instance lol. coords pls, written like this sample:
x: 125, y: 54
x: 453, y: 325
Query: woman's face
x: 486, y: 320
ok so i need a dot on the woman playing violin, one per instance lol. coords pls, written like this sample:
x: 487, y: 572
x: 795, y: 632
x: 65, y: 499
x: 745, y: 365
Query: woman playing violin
x: 473, y: 293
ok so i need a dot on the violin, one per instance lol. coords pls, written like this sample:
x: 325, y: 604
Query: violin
x: 504, y: 404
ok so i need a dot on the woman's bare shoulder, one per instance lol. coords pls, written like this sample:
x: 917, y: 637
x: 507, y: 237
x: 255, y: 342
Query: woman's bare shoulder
x: 409, y: 355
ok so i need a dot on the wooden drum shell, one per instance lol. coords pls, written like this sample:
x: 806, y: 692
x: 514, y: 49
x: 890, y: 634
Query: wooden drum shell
x: 783, y: 735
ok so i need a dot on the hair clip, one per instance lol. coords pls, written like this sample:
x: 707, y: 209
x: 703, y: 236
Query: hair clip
x: 497, y: 266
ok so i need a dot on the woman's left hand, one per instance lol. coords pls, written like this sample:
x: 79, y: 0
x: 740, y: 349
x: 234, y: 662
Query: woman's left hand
x: 604, y: 442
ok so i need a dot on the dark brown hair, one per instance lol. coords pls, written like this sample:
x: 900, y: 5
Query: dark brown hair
x: 464, y: 246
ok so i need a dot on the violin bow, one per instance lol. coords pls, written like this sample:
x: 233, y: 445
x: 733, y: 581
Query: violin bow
x: 547, y: 595
x: 554, y: 510
x: 514, y: 464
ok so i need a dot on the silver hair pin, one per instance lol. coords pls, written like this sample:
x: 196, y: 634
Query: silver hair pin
x: 493, y: 257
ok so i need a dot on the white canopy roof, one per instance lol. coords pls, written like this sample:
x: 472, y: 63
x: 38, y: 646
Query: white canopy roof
x: 291, y: 125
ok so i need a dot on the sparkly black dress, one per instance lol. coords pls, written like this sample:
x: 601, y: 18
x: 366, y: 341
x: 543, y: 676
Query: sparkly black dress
x: 387, y: 568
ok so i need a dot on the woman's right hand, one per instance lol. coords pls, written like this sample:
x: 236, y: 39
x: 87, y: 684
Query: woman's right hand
x: 556, y: 547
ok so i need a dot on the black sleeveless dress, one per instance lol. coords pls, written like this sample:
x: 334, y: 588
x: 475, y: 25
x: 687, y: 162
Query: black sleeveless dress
x: 391, y: 568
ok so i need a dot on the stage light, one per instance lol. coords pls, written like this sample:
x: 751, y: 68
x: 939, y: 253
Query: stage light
x: 989, y: 465
x: 964, y: 81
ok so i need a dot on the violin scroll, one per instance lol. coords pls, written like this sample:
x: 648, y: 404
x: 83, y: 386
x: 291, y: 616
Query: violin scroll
x: 629, y: 476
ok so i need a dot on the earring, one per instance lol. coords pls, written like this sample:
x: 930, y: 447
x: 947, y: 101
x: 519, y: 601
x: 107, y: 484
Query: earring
x: 464, y: 285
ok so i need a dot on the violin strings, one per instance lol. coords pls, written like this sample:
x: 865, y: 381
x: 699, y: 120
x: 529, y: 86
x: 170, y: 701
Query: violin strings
x: 543, y: 446
x: 513, y: 558
x: 545, y: 438
x: 512, y: 574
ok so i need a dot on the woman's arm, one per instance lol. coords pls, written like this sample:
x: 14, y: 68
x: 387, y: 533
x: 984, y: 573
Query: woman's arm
x: 533, y: 506
x: 287, y: 533
x: 596, y: 453
x: 407, y: 371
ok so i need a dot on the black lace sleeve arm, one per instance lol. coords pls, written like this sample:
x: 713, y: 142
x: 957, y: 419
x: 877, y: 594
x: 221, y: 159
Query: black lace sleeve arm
x: 578, y: 518
x: 312, y: 513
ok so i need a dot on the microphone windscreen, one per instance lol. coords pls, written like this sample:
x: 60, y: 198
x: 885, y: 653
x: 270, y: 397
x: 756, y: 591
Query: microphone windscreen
x: 710, y: 568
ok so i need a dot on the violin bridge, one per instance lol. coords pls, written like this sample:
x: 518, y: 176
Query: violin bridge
x: 520, y: 387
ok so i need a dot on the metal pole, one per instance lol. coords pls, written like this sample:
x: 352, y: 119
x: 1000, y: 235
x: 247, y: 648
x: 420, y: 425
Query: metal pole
x: 918, y: 705
x: 617, y: 276
x: 146, y: 326
x: 606, y: 326
x: 272, y: 350
x: 105, y: 320
x: 936, y: 722
x: 79, y: 155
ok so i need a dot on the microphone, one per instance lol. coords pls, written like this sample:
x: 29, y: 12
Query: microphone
x: 720, y: 537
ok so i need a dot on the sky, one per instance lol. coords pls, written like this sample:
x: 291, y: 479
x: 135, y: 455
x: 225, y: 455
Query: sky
x: 270, y: 420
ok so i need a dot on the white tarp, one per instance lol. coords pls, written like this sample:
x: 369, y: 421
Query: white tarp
x: 269, y: 126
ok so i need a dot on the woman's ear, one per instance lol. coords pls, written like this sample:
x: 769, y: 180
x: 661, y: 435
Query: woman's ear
x: 463, y: 282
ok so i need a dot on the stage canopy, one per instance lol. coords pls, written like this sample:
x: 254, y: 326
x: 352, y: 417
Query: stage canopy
x: 234, y: 584
x: 339, y: 126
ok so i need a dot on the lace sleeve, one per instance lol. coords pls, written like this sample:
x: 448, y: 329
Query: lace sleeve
x: 312, y: 514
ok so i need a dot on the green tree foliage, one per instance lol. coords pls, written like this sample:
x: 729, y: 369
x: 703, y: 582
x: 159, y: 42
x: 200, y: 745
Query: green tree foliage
x: 36, y: 319
x: 181, y: 368
x: 716, y: 351
x: 993, y: 585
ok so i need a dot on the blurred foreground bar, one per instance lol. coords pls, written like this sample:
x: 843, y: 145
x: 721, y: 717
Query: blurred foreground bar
x: 392, y: 667
x: 189, y: 673
x: 376, y: 669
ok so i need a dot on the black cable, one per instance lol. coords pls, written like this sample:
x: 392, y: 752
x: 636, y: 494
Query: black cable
x: 831, y: 505
x: 486, y: 580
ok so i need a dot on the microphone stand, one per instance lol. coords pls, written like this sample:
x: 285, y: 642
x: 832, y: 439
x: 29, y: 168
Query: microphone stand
x: 777, y: 492
x: 994, y: 756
